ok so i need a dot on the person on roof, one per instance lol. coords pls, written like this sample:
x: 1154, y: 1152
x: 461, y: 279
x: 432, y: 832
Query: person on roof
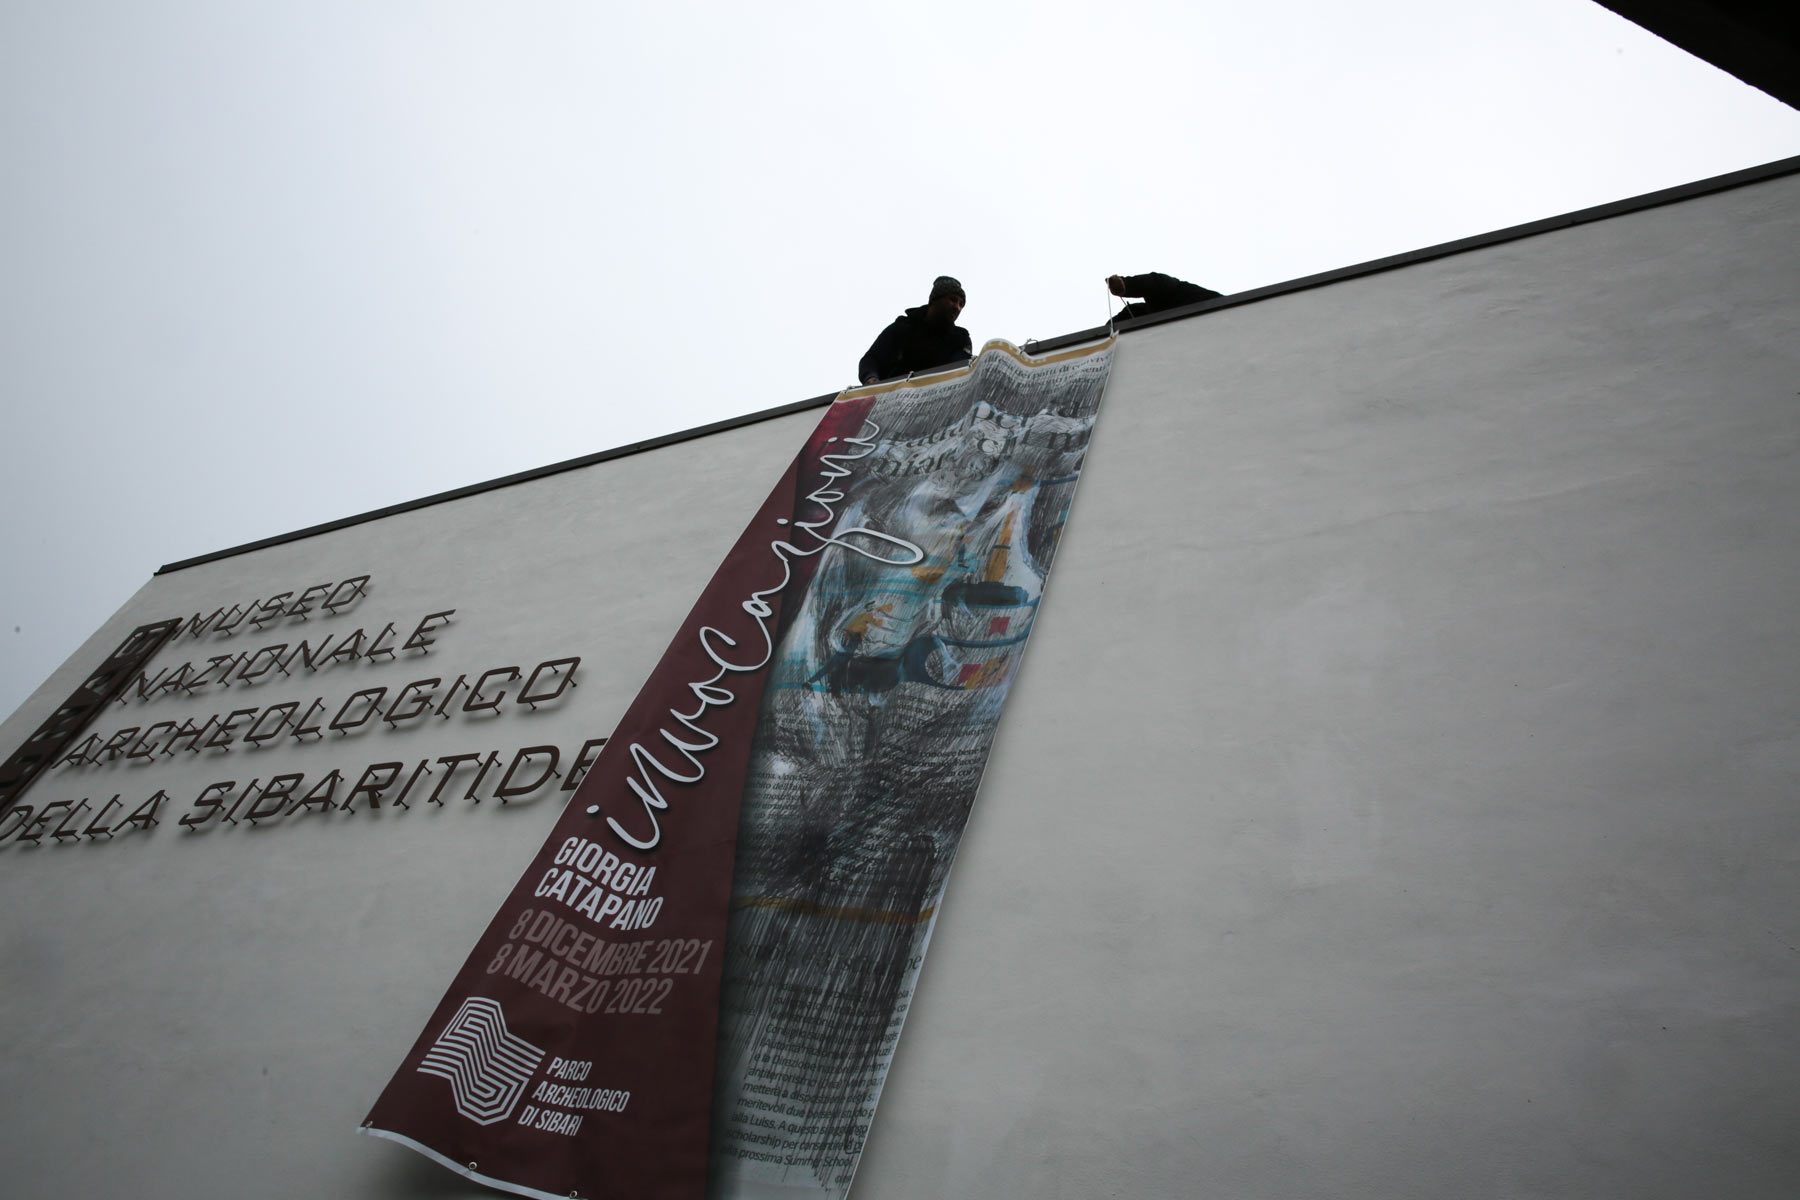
x: 920, y: 338
x: 1159, y: 292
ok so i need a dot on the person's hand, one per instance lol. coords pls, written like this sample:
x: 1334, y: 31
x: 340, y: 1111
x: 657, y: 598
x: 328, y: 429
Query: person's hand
x: 870, y: 379
x: 1115, y: 284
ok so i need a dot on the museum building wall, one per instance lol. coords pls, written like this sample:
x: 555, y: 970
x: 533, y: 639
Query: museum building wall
x: 1397, y: 799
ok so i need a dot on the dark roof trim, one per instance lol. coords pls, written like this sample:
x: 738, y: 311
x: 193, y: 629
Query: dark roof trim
x: 586, y: 460
x: 1585, y: 216
x: 1755, y: 40
x: 1687, y: 191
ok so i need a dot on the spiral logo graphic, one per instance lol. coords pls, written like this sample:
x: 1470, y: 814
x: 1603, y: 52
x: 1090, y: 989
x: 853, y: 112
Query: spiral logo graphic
x: 487, y: 1067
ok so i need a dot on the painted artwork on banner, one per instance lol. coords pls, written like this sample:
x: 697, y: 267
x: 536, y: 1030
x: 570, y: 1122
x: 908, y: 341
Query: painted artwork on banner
x: 874, y: 732
x: 703, y: 973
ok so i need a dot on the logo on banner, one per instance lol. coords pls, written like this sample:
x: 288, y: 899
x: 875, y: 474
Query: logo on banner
x: 487, y: 1067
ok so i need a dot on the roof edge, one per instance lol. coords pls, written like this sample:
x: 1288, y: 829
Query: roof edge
x: 1584, y: 216
x: 568, y: 464
x: 1479, y: 241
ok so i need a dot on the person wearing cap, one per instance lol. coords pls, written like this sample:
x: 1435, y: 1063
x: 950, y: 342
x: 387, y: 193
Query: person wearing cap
x: 920, y: 338
x: 1159, y: 292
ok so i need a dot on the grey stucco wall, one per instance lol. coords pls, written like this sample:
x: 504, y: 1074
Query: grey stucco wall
x: 1398, y: 799
x: 1399, y: 796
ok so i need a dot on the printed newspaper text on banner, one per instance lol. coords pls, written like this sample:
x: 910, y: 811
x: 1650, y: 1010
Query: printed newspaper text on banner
x: 838, y: 682
x: 873, y: 736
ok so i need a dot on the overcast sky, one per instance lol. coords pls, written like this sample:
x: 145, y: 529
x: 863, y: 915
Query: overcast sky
x: 270, y: 264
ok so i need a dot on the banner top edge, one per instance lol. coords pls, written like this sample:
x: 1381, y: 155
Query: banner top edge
x: 992, y: 345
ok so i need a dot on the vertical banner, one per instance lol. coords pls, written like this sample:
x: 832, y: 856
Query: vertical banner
x: 712, y: 955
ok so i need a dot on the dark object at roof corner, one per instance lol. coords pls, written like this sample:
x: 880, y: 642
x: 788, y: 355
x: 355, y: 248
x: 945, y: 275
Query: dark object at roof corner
x: 1755, y: 40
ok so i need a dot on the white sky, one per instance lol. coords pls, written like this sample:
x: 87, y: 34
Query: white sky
x: 266, y: 265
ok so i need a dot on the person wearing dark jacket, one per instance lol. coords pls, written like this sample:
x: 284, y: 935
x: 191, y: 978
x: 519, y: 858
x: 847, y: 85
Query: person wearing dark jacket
x: 920, y: 338
x: 1159, y: 291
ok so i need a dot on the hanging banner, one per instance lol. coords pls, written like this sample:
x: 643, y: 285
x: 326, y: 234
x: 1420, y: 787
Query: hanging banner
x: 818, y: 726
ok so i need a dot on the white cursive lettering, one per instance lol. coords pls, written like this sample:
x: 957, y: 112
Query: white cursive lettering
x: 707, y: 693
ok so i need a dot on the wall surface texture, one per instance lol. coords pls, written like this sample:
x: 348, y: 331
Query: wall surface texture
x: 1398, y: 801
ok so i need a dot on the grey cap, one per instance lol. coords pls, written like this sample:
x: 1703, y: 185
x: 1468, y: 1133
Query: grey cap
x: 943, y: 285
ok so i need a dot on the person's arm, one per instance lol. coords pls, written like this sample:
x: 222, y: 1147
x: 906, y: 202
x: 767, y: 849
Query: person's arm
x: 1165, y: 291
x: 882, y: 356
